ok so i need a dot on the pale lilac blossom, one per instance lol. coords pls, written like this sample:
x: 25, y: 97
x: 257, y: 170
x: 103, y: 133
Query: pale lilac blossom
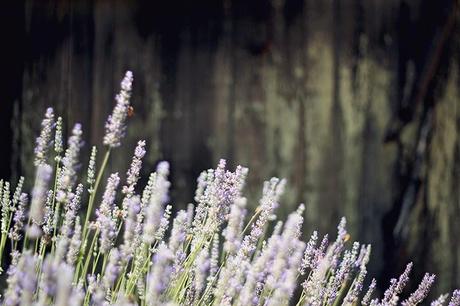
x: 115, y: 126
x: 43, y: 141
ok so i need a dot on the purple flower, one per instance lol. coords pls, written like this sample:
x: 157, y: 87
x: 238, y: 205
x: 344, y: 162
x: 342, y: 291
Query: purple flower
x: 106, y: 221
x: 455, y: 300
x: 19, y: 218
x: 39, y: 193
x: 116, y: 123
x: 422, y: 291
x: 44, y: 140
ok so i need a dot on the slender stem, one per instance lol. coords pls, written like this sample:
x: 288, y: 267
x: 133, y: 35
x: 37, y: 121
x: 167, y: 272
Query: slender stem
x: 95, y: 262
x: 53, y: 202
x: 94, y: 192
x: 85, y: 231
x: 2, y: 246
x: 88, y: 257
x: 258, y: 210
x: 104, y: 263
x: 24, y: 245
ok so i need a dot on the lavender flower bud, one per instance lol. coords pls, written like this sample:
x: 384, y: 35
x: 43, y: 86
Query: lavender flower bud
x: 13, y: 291
x: 201, y: 185
x: 164, y: 223
x: 43, y: 141
x: 17, y: 192
x: 91, y: 177
x: 39, y: 193
x: 19, y: 218
x: 6, y: 207
x: 391, y: 295
x: 112, y: 270
x: 287, y: 281
x: 58, y: 142
x: 28, y: 278
x: 48, y: 281
x: 367, y: 297
x: 154, y: 210
x: 116, y: 123
x: 1, y: 189
x: 75, y: 243
x: 356, y: 288
x: 77, y: 295
x: 214, y: 260
x: 129, y: 235
x: 147, y: 192
x: 105, y: 219
x: 422, y: 291
x: 258, y: 272
x: 64, y: 285
x: 440, y: 300
x: 135, y: 168
x: 307, y: 261
x: 68, y: 173
x: 271, y: 193
x: 178, y: 232
x: 455, y: 300
x: 71, y: 213
x: 232, y: 232
x: 48, y: 225
x: 291, y: 245
x: 158, y: 278
x: 201, y: 269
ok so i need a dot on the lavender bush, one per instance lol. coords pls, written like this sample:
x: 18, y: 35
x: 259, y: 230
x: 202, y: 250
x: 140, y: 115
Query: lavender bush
x: 72, y: 243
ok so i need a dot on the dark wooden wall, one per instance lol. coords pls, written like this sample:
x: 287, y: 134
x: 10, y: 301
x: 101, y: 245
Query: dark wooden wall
x: 355, y: 102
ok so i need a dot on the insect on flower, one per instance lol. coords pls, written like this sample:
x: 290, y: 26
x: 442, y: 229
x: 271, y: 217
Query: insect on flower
x: 130, y: 111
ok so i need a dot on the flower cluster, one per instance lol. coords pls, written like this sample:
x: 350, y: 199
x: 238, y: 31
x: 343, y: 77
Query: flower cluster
x: 125, y: 253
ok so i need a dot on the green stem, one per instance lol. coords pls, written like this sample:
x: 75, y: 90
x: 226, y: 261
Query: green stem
x: 88, y: 257
x: 24, y: 245
x: 53, y: 202
x: 253, y: 218
x: 94, y: 192
x: 104, y: 263
x: 95, y: 262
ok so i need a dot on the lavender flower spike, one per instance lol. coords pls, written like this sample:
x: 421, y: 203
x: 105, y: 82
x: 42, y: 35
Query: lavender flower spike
x: 129, y: 235
x: 133, y: 174
x: 179, y: 231
x: 58, y: 143
x: 64, y: 284
x: 19, y: 217
x: 367, y: 297
x: 135, y: 168
x: 455, y: 300
x: 391, y: 295
x: 6, y: 206
x: 440, y: 300
x: 39, y: 193
x: 91, y: 176
x: 67, y: 176
x: 158, y: 278
x: 43, y: 141
x: 105, y: 219
x: 112, y: 270
x: 116, y: 123
x: 422, y: 291
x: 234, y: 228
x: 158, y: 197
x: 75, y: 243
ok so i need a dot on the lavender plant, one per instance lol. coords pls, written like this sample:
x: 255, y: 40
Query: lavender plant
x: 78, y: 245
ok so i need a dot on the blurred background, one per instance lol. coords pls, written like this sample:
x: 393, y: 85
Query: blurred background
x: 355, y: 102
